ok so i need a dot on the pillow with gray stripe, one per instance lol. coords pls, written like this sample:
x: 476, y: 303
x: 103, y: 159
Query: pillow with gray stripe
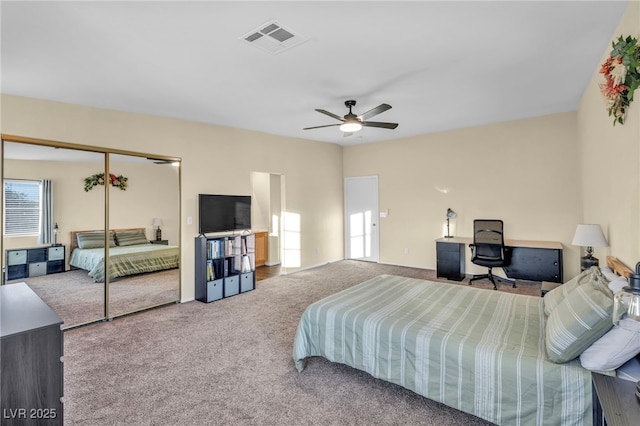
x: 89, y: 240
x: 131, y: 238
x: 580, y: 319
x: 553, y: 298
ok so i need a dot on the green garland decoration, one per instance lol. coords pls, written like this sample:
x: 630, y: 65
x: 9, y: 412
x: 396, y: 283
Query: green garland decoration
x: 117, y: 181
x: 621, y: 71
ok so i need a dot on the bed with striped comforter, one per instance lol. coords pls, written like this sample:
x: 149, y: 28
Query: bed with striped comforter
x: 479, y: 351
x: 125, y: 261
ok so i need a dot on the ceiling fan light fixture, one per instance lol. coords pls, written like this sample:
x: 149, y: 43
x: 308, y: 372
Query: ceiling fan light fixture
x: 351, y: 126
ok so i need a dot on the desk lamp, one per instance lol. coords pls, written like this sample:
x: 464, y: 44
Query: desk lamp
x: 450, y: 215
x: 589, y: 236
x: 157, y: 222
x: 627, y: 301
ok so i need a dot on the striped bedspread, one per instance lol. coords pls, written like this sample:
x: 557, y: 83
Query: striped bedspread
x: 127, y: 260
x: 479, y: 351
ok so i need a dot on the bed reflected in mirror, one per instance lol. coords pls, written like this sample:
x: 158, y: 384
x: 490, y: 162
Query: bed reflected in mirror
x: 38, y: 250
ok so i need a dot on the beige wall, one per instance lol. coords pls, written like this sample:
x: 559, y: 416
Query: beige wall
x: 610, y: 157
x: 214, y: 160
x: 524, y: 172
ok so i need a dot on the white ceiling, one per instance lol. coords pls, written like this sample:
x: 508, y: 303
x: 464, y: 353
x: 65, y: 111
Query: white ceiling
x: 441, y: 65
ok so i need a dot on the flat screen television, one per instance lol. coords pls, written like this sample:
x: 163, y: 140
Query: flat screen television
x: 223, y: 213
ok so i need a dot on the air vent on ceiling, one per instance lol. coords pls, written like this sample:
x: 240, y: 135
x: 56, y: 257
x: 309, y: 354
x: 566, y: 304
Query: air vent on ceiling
x: 273, y: 37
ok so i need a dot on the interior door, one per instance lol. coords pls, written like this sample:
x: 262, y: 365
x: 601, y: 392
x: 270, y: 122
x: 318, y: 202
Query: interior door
x: 361, y: 218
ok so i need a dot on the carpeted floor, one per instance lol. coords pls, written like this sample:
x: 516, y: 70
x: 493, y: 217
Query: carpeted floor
x: 78, y: 300
x: 230, y: 363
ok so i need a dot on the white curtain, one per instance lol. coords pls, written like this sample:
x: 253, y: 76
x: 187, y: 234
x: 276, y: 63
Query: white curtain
x: 46, y: 224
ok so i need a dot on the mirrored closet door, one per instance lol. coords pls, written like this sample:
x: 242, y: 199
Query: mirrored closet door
x: 144, y: 217
x: 84, y: 273
x: 41, y: 260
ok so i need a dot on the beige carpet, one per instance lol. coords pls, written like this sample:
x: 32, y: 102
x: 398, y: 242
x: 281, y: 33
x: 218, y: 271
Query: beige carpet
x: 77, y: 299
x: 230, y: 363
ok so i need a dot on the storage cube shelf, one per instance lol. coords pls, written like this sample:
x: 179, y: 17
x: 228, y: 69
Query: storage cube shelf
x: 224, y: 265
x: 33, y: 262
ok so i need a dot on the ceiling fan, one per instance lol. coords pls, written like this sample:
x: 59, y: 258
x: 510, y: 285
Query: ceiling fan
x: 352, y: 123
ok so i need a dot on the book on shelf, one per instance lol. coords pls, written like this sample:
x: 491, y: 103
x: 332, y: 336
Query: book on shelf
x: 214, y: 249
x: 250, y: 242
x: 237, y: 245
x: 211, y: 275
x: 228, y: 251
x: 246, y: 264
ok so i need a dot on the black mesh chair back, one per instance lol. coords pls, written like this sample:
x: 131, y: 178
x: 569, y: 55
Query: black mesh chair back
x: 488, y: 247
x: 488, y: 241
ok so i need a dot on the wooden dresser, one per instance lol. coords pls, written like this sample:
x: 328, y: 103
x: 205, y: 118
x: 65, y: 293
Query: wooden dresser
x: 31, y: 371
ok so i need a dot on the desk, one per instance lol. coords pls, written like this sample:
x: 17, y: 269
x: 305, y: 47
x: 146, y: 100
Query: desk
x: 530, y: 260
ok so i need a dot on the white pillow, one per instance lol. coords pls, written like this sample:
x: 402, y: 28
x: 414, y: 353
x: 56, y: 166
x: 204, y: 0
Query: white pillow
x: 616, y: 347
x: 617, y: 284
x: 608, y: 273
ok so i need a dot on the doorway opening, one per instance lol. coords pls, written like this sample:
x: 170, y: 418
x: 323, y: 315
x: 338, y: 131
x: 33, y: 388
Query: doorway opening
x: 267, y: 220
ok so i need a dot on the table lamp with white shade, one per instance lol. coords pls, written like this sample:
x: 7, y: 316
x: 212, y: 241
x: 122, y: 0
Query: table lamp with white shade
x: 589, y: 236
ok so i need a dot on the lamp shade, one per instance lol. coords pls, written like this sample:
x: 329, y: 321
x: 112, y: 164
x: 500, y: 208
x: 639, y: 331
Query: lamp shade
x: 157, y: 221
x: 589, y: 235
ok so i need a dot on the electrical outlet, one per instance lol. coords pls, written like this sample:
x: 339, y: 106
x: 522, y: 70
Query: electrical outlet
x: 189, y: 220
x: 406, y: 250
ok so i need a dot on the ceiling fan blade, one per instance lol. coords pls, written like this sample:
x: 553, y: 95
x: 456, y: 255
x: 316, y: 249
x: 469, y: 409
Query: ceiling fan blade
x: 319, y: 127
x: 375, y: 111
x: 379, y: 124
x: 330, y: 114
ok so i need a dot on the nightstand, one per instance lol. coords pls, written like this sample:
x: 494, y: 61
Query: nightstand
x: 614, y: 401
x: 164, y: 242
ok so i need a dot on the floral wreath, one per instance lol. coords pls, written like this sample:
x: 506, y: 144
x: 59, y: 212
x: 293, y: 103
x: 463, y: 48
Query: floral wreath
x: 622, y: 77
x: 117, y: 181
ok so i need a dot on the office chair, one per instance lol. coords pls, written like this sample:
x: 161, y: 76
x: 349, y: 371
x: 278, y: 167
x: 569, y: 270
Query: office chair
x: 488, y: 249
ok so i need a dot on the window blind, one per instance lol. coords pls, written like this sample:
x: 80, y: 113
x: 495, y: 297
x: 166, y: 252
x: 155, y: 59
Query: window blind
x: 21, y: 207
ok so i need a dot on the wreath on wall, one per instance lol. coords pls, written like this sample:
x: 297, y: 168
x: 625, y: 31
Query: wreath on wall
x: 622, y: 77
x: 117, y: 181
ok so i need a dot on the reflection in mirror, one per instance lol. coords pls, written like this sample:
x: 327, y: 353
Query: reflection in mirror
x: 144, y: 216
x: 40, y: 255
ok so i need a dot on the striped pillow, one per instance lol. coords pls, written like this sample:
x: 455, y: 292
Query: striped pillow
x: 89, y: 240
x: 130, y: 238
x: 582, y: 317
x: 553, y: 298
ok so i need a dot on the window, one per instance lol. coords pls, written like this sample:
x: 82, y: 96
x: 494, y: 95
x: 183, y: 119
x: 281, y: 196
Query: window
x: 22, y: 207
